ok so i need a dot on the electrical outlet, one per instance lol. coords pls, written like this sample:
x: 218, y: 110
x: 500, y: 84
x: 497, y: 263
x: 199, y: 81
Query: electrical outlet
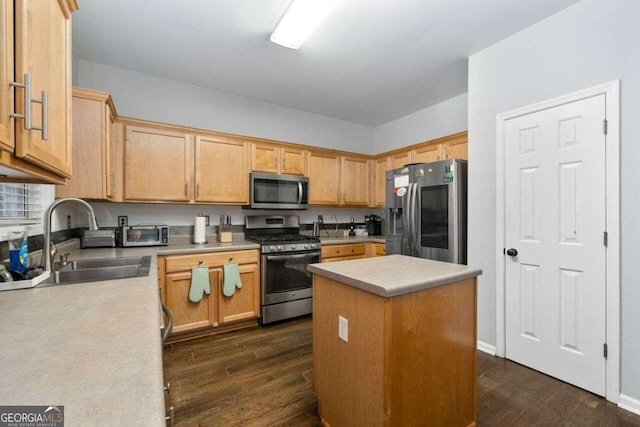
x: 68, y: 222
x: 343, y: 329
x: 123, y: 220
x: 206, y: 220
x: 320, y: 220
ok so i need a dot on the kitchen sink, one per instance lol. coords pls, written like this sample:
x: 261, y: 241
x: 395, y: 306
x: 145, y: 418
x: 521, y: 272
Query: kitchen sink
x: 97, y: 269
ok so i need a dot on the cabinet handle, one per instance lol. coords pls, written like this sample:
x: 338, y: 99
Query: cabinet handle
x: 186, y: 189
x: 284, y: 163
x: 167, y: 388
x: 197, y: 190
x: 44, y: 102
x: 170, y: 417
x: 26, y: 105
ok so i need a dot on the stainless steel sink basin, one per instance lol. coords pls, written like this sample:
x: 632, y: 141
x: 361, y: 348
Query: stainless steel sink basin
x: 83, y: 264
x: 96, y: 269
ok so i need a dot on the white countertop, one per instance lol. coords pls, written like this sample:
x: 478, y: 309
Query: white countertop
x: 93, y: 347
x: 394, y: 275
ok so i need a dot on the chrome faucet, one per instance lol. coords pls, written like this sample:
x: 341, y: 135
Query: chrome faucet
x: 46, y: 252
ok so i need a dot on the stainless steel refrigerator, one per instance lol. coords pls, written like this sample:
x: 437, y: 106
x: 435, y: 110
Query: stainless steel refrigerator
x: 426, y: 210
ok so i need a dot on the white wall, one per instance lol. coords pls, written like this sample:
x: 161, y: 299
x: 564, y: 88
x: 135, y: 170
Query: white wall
x: 439, y: 120
x: 592, y: 42
x: 153, y: 98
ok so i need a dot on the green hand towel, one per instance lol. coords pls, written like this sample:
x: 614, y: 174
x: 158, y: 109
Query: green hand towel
x: 231, y: 279
x: 199, y: 283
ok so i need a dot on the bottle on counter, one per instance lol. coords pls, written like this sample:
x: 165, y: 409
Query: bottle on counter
x: 18, y: 252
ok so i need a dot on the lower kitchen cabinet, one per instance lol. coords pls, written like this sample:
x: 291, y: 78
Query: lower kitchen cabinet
x: 343, y: 252
x: 215, y: 309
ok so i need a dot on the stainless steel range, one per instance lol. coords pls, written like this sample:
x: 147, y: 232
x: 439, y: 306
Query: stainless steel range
x: 286, y: 285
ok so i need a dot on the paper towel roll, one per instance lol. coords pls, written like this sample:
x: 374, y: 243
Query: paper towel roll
x: 199, y: 234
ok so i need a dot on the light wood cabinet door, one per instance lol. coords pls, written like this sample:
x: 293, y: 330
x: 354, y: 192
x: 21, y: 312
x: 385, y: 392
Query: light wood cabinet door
x: 43, y: 50
x: 273, y: 158
x: 355, y: 181
x: 222, y: 173
x: 398, y: 160
x: 93, y: 153
x: 188, y: 315
x: 428, y: 154
x: 457, y: 149
x: 293, y: 161
x: 380, y: 168
x: 323, y: 170
x: 264, y: 158
x: 7, y: 137
x: 245, y: 302
x: 158, y: 165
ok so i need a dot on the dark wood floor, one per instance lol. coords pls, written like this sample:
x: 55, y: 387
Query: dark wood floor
x: 263, y: 377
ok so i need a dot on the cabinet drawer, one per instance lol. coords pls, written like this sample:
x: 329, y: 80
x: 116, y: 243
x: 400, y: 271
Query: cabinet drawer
x: 352, y: 249
x: 381, y: 249
x: 175, y: 263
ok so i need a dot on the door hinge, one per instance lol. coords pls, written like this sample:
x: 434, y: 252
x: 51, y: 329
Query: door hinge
x: 605, y: 350
x: 606, y: 239
x: 605, y: 126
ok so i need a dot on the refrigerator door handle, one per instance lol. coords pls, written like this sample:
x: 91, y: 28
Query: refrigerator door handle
x: 416, y: 219
x: 405, y: 243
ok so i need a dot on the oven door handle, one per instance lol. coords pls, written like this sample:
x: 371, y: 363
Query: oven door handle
x: 295, y: 256
x: 299, y: 193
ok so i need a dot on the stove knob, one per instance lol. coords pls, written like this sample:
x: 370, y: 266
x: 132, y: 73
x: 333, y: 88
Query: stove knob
x: 279, y: 247
x: 313, y: 246
x: 293, y: 247
x: 306, y: 246
x: 272, y: 248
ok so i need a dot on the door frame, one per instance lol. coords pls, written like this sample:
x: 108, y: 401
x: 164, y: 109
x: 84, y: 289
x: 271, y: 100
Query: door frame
x: 611, y: 90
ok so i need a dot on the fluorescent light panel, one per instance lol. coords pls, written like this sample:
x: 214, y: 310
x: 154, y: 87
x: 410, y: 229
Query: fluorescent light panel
x: 301, y: 19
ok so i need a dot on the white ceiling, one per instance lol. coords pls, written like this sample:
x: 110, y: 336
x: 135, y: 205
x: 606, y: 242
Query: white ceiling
x: 370, y: 62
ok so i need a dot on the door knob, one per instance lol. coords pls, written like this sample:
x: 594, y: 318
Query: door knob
x: 512, y: 252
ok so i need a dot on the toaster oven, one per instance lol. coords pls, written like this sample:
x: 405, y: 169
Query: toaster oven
x: 144, y: 235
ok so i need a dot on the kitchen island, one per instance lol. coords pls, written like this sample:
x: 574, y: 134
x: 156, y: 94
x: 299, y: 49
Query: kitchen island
x: 394, y: 342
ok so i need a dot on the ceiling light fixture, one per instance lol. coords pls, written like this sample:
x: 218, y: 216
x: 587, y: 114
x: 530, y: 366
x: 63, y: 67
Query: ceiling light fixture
x: 300, y: 20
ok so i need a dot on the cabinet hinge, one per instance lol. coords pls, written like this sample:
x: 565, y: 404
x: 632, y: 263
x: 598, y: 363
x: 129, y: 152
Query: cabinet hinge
x: 605, y: 126
x: 605, y: 350
x: 606, y: 239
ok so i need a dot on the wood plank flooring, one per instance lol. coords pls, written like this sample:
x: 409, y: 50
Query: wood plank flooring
x: 263, y: 377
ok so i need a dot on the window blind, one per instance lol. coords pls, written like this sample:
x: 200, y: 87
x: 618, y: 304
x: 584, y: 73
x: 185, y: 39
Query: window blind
x: 20, y: 204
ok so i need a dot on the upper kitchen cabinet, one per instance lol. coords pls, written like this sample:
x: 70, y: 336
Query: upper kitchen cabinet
x: 222, y: 173
x: 323, y: 169
x: 35, y: 97
x: 273, y: 158
x: 427, y: 153
x: 380, y: 167
x: 456, y: 146
x: 158, y: 165
x: 400, y: 159
x: 355, y: 180
x: 93, y: 147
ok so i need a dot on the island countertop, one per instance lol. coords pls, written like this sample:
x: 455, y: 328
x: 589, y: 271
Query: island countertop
x: 394, y: 275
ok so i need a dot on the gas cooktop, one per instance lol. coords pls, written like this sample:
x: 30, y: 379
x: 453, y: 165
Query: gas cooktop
x: 281, y: 238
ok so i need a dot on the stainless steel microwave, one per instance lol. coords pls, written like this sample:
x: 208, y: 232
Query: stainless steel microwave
x: 144, y: 235
x: 273, y: 191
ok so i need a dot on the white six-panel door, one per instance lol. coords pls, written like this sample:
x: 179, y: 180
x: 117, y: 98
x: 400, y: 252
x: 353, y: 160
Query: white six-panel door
x: 555, y: 312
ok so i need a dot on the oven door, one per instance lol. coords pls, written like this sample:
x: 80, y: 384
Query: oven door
x: 285, y: 276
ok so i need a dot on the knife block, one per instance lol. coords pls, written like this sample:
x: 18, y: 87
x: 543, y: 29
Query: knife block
x: 224, y: 233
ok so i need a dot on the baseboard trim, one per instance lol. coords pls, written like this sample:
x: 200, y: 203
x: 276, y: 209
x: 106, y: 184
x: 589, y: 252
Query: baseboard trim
x: 487, y: 348
x: 629, y: 404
